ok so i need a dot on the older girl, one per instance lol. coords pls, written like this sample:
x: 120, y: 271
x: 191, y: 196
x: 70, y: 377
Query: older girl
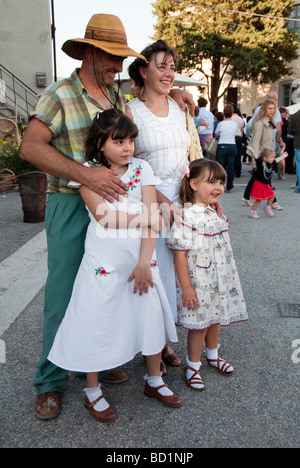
x: 118, y: 306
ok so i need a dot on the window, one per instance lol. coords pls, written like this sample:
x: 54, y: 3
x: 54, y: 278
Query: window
x: 295, y: 25
x: 289, y: 93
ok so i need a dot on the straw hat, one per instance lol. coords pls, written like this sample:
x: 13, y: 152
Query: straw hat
x: 106, y: 32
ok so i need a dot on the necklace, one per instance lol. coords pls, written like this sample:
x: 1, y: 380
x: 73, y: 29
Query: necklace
x: 267, y: 171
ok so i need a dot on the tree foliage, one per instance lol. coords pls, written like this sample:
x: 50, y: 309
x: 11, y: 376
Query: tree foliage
x: 236, y: 46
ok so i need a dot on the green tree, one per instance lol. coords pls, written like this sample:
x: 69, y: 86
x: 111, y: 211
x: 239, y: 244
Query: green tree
x: 235, y: 46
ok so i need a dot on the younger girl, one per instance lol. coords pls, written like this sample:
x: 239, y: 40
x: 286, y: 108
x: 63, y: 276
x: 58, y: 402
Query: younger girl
x: 208, y: 291
x: 262, y: 189
x: 109, y: 318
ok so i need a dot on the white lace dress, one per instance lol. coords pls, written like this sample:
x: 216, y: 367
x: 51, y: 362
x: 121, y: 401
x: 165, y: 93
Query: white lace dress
x: 212, y: 270
x: 164, y: 143
x: 105, y: 324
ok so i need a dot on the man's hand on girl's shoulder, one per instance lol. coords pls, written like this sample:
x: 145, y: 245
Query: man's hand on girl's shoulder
x: 105, y: 183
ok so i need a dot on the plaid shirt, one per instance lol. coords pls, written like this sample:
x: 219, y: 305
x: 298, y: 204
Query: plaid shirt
x: 68, y: 111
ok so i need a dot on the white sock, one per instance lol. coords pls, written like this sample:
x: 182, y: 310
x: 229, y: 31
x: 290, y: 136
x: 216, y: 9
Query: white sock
x: 189, y: 373
x: 93, y: 394
x: 155, y: 381
x: 213, y: 354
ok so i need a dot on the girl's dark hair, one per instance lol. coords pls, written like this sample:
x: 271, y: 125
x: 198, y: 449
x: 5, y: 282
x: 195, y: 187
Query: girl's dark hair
x: 203, y: 170
x: 112, y: 122
x: 148, y: 52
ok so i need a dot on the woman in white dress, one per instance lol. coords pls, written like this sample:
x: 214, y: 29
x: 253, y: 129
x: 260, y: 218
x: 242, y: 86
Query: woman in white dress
x: 164, y: 142
x: 118, y: 306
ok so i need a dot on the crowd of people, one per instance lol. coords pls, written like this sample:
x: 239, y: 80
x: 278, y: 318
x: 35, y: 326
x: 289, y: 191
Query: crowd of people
x: 241, y: 140
x: 137, y: 240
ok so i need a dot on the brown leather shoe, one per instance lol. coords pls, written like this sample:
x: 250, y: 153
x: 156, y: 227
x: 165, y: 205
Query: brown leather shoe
x: 105, y: 416
x: 172, y: 401
x: 115, y: 376
x: 47, y: 406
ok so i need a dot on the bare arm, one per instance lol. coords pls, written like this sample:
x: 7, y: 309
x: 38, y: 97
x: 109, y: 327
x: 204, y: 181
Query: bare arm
x: 182, y: 98
x: 282, y: 156
x: 249, y: 148
x: 189, y: 296
x: 112, y: 219
x: 142, y: 273
x: 36, y: 149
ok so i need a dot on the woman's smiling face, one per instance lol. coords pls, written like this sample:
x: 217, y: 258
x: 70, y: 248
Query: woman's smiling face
x: 160, y: 73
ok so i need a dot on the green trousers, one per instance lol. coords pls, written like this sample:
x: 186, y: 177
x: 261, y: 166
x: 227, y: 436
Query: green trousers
x: 66, y: 225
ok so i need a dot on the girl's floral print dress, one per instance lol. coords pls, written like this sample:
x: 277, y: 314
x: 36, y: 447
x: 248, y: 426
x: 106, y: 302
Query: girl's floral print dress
x: 212, y: 270
x: 105, y: 324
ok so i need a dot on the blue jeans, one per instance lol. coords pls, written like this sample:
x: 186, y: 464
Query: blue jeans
x: 226, y: 155
x: 297, y: 162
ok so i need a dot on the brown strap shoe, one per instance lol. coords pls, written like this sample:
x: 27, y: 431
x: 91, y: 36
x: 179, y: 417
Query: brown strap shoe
x: 172, y: 401
x: 106, y: 416
x: 47, y: 406
x: 115, y: 376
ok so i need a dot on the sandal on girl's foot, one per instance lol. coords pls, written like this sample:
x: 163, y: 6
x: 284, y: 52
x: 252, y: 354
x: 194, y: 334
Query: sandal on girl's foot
x: 171, y: 359
x: 163, y: 368
x: 195, y: 382
x: 221, y: 366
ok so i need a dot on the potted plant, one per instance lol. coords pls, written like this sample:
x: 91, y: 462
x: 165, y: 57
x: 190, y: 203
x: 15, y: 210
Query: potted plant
x: 32, y: 182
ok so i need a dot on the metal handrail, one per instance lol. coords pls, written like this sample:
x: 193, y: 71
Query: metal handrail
x: 19, y: 95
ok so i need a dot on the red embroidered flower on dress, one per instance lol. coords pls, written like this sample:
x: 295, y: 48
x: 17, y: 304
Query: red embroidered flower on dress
x: 101, y: 272
x: 134, y: 179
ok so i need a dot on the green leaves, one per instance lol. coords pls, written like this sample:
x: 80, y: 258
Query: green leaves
x: 217, y: 40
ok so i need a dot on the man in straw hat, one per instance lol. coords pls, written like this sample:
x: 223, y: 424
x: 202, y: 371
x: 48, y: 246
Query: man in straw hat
x: 54, y: 142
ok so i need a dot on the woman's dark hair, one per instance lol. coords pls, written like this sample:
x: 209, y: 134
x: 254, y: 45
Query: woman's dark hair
x: 228, y: 111
x: 112, y: 122
x: 203, y: 170
x: 148, y: 52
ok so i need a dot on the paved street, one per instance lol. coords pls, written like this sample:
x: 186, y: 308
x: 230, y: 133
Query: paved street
x: 257, y: 407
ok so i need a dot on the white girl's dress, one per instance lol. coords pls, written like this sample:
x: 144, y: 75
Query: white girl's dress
x: 212, y: 270
x: 105, y: 324
x: 164, y: 143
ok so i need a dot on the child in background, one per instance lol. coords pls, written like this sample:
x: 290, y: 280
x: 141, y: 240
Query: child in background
x: 209, y: 293
x: 118, y: 306
x: 262, y: 189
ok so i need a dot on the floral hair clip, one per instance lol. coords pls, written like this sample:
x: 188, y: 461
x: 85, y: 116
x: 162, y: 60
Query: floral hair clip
x: 185, y: 172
